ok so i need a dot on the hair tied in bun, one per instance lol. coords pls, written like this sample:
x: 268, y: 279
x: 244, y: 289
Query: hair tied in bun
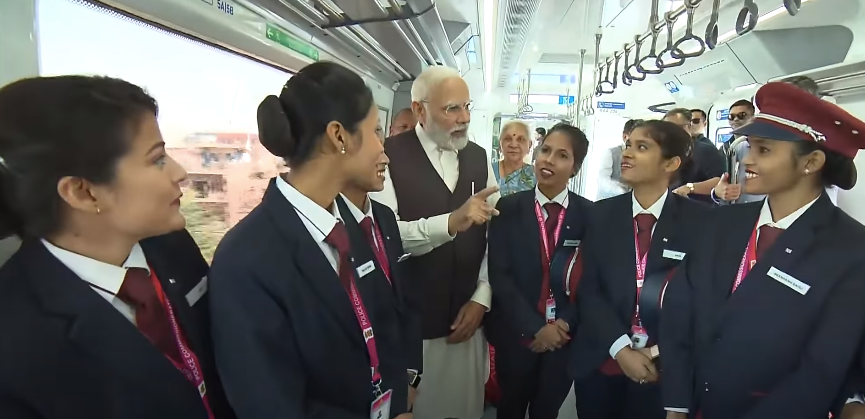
x: 274, y: 129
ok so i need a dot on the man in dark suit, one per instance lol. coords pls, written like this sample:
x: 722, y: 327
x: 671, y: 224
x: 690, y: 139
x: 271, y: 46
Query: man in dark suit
x: 63, y: 328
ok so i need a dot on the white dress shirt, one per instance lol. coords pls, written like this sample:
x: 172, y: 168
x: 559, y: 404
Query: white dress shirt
x: 104, y: 278
x: 318, y: 221
x: 764, y: 219
x: 422, y: 236
x: 360, y: 214
x: 561, y: 199
x: 654, y: 209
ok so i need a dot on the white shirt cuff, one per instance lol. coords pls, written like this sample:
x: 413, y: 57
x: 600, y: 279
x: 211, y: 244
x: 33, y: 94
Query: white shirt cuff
x: 857, y: 398
x: 622, y: 342
x: 412, y: 371
x: 676, y: 409
x: 483, y: 294
x: 438, y: 230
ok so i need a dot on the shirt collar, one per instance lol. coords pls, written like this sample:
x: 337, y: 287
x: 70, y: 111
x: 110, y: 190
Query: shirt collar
x: 784, y: 223
x: 561, y: 198
x: 103, y: 275
x: 654, y: 209
x: 320, y: 218
x: 356, y: 212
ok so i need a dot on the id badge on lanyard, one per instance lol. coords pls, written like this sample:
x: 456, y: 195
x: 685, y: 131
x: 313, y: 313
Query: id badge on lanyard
x: 550, y: 310
x: 380, y: 407
x: 639, y: 336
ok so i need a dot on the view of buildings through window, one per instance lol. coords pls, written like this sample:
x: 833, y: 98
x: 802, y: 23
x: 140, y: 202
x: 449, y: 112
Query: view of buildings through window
x: 207, y: 99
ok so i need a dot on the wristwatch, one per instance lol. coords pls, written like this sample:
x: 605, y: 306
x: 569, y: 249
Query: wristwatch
x: 654, y: 352
x: 414, y: 379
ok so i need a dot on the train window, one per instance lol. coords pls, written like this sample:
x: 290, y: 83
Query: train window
x: 207, y: 99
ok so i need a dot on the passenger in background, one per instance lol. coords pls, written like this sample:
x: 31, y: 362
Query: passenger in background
x: 443, y: 190
x: 615, y: 353
x: 512, y: 173
x: 375, y: 238
x: 303, y: 324
x: 540, y: 133
x: 534, y: 270
x: 104, y: 309
x: 402, y: 122
x: 764, y: 320
x: 610, y: 176
x: 702, y: 171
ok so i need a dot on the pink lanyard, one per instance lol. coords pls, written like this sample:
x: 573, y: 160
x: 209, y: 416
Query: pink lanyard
x: 190, y: 367
x: 748, y: 260
x: 641, y: 269
x: 547, y: 257
x: 368, y: 335
x: 380, y: 251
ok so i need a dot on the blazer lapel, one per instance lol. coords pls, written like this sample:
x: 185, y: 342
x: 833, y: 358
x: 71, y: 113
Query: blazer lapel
x: 530, y: 234
x: 309, y: 259
x: 572, y: 228
x: 799, y: 237
x: 730, y: 250
x: 621, y: 236
x: 391, y: 244
x: 99, y: 330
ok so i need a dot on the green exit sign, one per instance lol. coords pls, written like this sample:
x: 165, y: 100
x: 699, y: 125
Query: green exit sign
x: 291, y: 42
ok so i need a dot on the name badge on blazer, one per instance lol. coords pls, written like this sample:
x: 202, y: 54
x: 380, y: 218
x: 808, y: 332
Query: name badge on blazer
x: 672, y: 254
x: 197, y: 292
x: 786, y: 279
x: 365, y: 269
x: 403, y: 257
x: 571, y: 243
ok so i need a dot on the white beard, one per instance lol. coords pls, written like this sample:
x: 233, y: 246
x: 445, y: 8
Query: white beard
x: 445, y: 139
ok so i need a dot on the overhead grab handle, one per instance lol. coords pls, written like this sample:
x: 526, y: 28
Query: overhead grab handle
x: 748, y: 16
x: 712, y: 27
x: 662, y: 63
x: 606, y: 86
x: 678, y: 51
x: 633, y: 72
x: 626, y: 78
x: 616, y: 57
x: 651, y: 58
x: 793, y: 6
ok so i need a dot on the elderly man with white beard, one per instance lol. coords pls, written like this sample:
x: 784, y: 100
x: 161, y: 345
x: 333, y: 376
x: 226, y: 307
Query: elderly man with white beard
x: 443, y: 190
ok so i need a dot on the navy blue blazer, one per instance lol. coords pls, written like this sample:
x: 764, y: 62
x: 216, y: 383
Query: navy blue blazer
x: 515, y: 269
x: 287, y: 342
x: 608, y: 290
x: 406, y: 298
x: 767, y: 350
x: 67, y: 353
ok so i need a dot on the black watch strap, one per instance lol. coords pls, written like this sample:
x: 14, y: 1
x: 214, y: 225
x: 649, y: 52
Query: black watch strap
x: 415, y: 381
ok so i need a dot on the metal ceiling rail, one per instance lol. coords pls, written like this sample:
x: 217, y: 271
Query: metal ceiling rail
x: 428, y: 57
x: 363, y: 35
x: 315, y: 19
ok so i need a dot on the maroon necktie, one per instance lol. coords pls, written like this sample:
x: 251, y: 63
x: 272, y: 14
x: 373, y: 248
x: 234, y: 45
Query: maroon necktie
x: 380, y: 255
x: 552, y: 221
x: 138, y: 291
x: 768, y: 237
x: 338, y: 238
x: 645, y: 222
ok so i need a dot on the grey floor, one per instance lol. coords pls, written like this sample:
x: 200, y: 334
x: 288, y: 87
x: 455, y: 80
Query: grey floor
x: 568, y: 410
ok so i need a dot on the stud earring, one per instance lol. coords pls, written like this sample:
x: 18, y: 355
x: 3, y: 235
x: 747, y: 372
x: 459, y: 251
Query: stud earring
x: 342, y: 151
x: 807, y: 171
x: 98, y: 210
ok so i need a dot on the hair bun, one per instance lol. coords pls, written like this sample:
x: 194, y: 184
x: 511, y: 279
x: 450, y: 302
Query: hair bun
x: 274, y: 129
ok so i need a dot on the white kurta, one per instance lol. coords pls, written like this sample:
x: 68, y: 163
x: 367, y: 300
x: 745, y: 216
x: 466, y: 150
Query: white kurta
x: 452, y: 384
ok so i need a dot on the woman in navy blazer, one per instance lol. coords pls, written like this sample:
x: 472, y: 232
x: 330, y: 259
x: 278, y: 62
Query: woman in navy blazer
x: 637, y: 240
x: 301, y: 327
x: 534, y: 247
x: 766, y: 317
x: 104, y: 310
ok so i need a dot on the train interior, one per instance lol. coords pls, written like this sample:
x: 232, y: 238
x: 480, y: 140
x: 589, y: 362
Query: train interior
x: 210, y: 62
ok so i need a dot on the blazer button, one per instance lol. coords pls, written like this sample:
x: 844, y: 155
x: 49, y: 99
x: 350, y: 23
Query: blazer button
x: 706, y: 385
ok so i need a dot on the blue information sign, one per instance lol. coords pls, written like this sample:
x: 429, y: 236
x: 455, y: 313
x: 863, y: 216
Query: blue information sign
x: 611, y: 105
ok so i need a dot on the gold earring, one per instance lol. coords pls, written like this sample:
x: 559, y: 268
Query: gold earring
x: 342, y: 151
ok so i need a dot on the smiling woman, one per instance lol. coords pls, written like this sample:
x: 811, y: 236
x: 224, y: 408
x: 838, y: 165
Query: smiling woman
x: 512, y: 173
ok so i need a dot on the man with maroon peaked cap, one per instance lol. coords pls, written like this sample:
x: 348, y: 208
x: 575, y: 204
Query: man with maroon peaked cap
x: 764, y: 320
